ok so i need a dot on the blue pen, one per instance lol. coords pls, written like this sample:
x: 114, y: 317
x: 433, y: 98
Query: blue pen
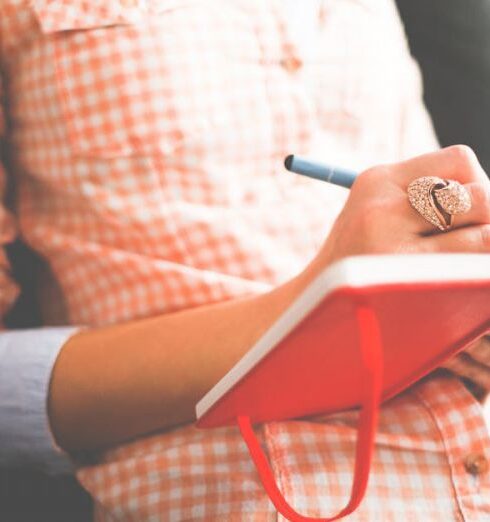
x: 312, y: 169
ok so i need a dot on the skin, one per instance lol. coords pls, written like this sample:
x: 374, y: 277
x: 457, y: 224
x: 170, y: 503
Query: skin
x: 116, y: 383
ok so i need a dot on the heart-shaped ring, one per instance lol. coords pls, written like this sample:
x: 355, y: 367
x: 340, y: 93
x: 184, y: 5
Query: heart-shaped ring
x: 437, y: 200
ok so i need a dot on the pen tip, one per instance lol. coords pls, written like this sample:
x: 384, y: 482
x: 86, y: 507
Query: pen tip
x: 288, y: 161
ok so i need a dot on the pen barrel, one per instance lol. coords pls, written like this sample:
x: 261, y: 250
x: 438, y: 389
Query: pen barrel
x: 337, y: 176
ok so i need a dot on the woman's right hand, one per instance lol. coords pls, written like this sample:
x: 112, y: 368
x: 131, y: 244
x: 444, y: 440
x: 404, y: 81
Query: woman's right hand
x: 378, y: 218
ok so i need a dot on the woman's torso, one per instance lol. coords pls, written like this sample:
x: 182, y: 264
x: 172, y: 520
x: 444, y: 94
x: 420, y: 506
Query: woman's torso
x: 147, y: 143
x: 147, y: 149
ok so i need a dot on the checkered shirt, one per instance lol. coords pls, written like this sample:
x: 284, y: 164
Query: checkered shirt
x: 145, y: 141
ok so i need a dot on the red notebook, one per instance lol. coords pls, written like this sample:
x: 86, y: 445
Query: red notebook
x: 367, y: 328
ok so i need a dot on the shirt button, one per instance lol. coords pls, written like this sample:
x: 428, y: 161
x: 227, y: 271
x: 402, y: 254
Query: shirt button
x: 291, y: 63
x: 476, y: 464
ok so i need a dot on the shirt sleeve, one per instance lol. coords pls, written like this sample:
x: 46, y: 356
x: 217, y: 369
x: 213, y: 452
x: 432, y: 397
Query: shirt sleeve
x: 26, y: 361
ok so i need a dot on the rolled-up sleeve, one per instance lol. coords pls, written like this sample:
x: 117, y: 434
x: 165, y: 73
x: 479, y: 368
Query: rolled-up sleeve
x: 27, y: 358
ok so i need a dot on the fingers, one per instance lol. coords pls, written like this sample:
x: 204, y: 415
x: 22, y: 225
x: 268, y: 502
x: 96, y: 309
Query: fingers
x: 474, y: 239
x: 473, y: 363
x: 480, y: 351
x: 479, y: 214
x: 383, y: 220
x: 388, y: 184
x: 465, y: 366
x: 457, y: 162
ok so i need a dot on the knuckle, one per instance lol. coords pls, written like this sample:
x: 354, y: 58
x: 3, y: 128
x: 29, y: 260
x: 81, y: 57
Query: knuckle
x: 463, y: 155
x: 373, y: 175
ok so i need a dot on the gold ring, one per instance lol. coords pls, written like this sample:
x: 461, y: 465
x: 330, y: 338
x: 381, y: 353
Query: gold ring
x: 437, y: 200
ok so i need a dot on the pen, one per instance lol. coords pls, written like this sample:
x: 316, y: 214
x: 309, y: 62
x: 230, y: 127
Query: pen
x: 321, y: 171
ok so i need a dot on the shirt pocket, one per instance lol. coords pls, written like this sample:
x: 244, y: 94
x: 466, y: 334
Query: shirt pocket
x: 112, y: 82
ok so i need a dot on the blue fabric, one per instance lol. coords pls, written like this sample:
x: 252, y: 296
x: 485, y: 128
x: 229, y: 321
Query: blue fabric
x: 27, y: 358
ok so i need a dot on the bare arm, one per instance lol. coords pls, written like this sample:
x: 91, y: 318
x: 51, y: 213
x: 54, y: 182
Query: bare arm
x: 115, y: 383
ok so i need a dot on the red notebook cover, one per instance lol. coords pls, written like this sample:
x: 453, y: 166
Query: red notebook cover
x: 426, y: 309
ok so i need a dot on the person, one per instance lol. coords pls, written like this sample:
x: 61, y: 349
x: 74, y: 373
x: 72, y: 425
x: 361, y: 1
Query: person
x: 146, y: 142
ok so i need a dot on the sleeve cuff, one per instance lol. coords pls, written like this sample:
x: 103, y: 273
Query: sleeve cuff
x: 27, y: 358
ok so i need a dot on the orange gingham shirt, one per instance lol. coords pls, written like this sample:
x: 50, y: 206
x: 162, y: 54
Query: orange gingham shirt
x: 145, y: 141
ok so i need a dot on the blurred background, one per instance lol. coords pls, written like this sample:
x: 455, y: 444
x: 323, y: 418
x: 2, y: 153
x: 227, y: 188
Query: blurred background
x: 451, y: 41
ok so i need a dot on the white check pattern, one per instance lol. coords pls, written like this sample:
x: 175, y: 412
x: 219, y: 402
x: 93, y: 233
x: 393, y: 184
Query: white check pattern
x: 146, y: 143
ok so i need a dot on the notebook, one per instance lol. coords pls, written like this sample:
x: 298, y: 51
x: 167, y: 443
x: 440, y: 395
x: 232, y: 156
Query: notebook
x: 364, y: 330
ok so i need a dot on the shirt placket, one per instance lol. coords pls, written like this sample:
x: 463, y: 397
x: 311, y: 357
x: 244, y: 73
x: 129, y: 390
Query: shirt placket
x: 459, y: 420
x: 293, y: 113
